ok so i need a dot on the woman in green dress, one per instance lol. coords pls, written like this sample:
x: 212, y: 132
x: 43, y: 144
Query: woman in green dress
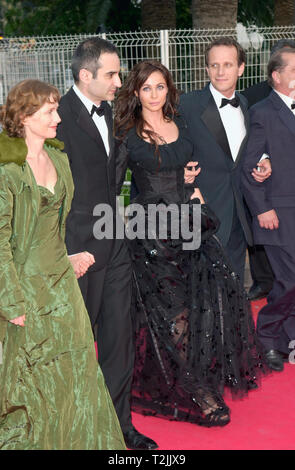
x: 52, y: 392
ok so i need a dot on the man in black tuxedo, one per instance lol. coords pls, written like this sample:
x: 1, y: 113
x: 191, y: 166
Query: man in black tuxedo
x: 272, y: 203
x: 260, y: 267
x: 86, y: 128
x: 217, y: 119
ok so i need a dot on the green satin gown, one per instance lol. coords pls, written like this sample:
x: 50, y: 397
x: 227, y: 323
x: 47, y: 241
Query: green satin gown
x: 53, y: 394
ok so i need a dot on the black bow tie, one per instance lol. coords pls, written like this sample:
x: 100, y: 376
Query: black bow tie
x: 292, y: 105
x: 99, y: 110
x: 235, y: 102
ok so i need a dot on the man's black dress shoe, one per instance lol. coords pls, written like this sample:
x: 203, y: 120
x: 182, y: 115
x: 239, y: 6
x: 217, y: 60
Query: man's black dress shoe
x: 274, y: 360
x: 135, y: 440
x: 256, y: 292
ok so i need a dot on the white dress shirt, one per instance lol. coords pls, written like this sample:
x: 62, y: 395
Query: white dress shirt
x: 99, y: 121
x: 233, y: 122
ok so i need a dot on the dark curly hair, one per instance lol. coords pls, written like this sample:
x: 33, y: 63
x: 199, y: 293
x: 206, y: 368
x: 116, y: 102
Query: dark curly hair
x: 23, y: 100
x: 128, y: 108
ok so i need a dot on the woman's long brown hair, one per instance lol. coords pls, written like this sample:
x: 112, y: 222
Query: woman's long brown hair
x: 128, y: 112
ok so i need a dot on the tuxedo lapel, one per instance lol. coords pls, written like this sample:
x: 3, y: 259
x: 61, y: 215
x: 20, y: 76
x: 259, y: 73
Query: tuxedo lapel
x: 285, y: 114
x: 244, y: 108
x: 109, y: 122
x: 212, y: 120
x: 84, y: 120
x: 288, y: 118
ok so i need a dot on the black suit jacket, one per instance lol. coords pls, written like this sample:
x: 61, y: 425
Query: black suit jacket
x: 219, y: 180
x: 93, y: 174
x: 272, y: 131
x: 257, y: 92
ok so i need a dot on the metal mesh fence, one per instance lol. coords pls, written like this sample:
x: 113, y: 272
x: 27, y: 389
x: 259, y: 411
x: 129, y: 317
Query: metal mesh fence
x: 48, y: 58
x: 182, y: 51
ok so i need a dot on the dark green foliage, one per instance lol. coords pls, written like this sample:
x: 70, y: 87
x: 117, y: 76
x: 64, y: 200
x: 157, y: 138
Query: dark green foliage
x: 39, y: 17
x: 256, y: 12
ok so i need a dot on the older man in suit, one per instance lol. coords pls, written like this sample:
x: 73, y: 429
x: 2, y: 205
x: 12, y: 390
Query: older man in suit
x: 261, y: 271
x: 273, y: 203
x: 217, y: 119
x: 87, y: 131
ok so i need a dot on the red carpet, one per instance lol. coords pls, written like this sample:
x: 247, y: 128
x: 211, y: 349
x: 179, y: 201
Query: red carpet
x: 264, y: 420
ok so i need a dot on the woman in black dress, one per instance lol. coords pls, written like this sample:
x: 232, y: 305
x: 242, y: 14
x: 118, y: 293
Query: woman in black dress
x: 194, y: 333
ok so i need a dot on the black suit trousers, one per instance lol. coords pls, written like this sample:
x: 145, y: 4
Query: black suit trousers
x: 107, y: 296
x: 261, y: 271
x: 276, y: 326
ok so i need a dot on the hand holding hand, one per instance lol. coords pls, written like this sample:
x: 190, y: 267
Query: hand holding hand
x: 269, y: 220
x: 190, y: 172
x: 265, y: 170
x: 81, y: 262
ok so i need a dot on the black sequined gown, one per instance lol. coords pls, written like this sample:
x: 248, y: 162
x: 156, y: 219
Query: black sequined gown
x: 194, y: 332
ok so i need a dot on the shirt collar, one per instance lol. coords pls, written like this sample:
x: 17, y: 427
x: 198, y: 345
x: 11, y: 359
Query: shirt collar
x: 218, y: 96
x: 287, y: 99
x: 86, y: 101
